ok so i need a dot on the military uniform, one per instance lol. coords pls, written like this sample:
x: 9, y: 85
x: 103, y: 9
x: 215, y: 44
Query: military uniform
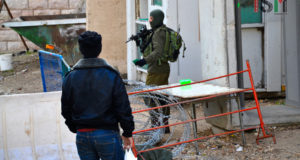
x: 158, y: 68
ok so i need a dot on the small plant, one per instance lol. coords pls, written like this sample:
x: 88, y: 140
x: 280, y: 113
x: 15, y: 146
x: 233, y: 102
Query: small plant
x: 7, y: 73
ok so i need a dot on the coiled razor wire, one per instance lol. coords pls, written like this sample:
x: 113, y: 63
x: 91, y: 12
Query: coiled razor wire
x: 143, y: 120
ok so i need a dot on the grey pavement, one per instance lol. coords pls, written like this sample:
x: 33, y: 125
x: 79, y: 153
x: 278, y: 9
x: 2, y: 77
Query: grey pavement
x: 275, y: 114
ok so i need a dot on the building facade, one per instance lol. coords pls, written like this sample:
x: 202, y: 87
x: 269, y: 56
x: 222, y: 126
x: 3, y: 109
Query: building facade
x: 208, y: 28
x: 269, y: 42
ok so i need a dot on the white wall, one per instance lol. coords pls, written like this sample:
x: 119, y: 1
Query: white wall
x: 131, y: 49
x: 32, y: 128
x: 231, y: 44
x: 213, y: 35
x: 292, y: 53
x: 252, y: 49
x: 273, y: 48
x: 187, y: 19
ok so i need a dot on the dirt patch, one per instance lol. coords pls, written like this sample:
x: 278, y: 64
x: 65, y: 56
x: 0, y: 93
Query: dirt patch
x: 226, y: 147
x: 25, y: 76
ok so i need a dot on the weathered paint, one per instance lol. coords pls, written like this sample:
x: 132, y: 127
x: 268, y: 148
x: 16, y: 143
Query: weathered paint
x: 32, y: 128
x: 213, y: 40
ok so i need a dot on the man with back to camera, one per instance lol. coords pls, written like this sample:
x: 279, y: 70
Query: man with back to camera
x: 153, y: 55
x: 94, y: 101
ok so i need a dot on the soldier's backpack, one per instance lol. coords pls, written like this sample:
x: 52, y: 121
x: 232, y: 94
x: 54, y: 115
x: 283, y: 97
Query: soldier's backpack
x: 172, y: 47
x: 173, y: 44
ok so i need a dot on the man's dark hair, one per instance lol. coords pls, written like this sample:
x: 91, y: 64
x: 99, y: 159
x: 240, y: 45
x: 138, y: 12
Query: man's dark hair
x: 90, y: 44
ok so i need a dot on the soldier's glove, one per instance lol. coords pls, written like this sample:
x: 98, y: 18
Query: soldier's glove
x: 140, y: 62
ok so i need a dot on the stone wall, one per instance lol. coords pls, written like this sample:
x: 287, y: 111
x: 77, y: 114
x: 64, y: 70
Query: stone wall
x: 9, y: 39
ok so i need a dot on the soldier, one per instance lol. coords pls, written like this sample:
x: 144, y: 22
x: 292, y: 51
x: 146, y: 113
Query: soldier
x: 158, y: 67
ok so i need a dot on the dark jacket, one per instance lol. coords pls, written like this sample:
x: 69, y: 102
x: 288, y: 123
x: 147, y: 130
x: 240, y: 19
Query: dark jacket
x: 94, y: 96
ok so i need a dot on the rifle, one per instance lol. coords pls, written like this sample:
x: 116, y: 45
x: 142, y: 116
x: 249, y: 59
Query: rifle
x: 144, y: 32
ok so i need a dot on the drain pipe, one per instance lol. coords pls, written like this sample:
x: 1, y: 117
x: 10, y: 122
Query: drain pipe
x: 239, y: 55
x: 239, y: 58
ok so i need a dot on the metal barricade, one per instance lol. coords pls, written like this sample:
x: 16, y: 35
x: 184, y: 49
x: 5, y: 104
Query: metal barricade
x: 53, y: 68
x: 261, y: 127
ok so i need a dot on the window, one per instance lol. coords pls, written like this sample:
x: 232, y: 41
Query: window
x: 157, y: 2
x: 141, y: 8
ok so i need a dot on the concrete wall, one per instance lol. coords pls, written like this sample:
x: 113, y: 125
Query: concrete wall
x: 187, y: 19
x: 273, y: 48
x: 32, y: 128
x: 218, y: 56
x: 108, y: 17
x: 292, y: 53
x: 213, y: 39
x: 9, y: 39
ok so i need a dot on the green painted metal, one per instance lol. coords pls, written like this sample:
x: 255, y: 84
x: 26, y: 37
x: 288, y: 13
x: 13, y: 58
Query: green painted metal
x: 157, y: 2
x: 62, y: 36
x: 247, y: 12
x: 275, y: 6
x: 38, y: 35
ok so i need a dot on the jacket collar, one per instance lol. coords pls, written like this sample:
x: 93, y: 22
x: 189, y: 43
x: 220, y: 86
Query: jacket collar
x: 157, y: 28
x: 91, y: 63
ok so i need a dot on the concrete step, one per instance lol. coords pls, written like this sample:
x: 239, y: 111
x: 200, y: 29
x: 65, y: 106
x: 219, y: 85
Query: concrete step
x: 275, y: 114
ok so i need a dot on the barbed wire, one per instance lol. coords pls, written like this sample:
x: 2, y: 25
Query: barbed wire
x: 157, y: 117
